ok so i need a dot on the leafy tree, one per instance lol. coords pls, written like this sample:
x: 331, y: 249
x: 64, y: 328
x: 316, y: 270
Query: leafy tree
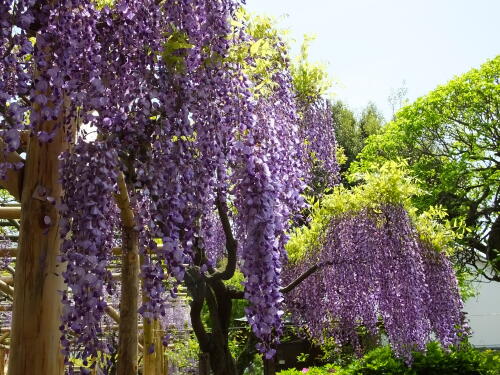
x: 450, y: 139
x: 346, y: 131
x: 310, y: 80
x: 351, y: 133
x: 370, y: 122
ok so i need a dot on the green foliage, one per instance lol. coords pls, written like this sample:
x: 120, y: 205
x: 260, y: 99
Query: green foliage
x: 104, y: 3
x: 264, y: 55
x: 303, y: 357
x: 324, y: 370
x: 184, y: 354
x: 352, y: 133
x: 370, y: 122
x: 435, y: 361
x: 256, y: 367
x: 450, y: 139
x: 173, y: 53
x: 310, y: 80
x: 267, y: 53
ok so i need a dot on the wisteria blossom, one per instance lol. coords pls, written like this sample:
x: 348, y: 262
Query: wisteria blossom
x: 378, y: 274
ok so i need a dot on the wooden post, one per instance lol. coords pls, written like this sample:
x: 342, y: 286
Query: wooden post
x: 128, y: 337
x: 10, y: 212
x: 161, y: 358
x: 153, y: 361
x: 35, y: 335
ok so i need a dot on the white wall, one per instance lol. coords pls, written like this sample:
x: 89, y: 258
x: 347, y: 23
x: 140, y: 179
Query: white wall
x: 484, y: 315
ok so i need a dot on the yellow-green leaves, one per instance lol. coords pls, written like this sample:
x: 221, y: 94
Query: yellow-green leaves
x: 173, y: 50
x: 263, y: 55
x: 388, y: 183
x: 310, y: 80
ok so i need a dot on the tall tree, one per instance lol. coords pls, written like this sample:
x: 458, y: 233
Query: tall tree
x: 351, y: 132
x: 450, y: 138
x: 370, y: 122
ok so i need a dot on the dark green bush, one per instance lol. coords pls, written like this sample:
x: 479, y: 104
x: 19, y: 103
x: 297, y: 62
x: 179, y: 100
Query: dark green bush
x: 435, y: 361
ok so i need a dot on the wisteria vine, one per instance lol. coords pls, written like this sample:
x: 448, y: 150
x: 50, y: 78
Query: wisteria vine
x: 379, y: 274
x: 152, y: 83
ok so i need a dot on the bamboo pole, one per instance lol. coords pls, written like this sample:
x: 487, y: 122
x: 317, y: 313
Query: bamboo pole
x: 2, y: 361
x: 7, y: 289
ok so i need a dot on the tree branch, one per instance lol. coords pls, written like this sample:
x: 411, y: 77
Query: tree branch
x: 231, y: 243
x: 304, y: 276
x: 197, y: 289
x: 238, y: 294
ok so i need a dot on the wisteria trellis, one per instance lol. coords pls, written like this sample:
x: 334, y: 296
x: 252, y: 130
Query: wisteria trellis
x: 176, y: 115
x: 171, y: 111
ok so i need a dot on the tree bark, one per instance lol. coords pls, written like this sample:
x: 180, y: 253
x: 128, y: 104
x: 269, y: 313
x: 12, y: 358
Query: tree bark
x: 128, y: 337
x: 35, y: 343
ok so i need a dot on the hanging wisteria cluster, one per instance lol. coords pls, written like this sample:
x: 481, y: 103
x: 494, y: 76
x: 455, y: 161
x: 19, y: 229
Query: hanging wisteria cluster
x: 266, y: 207
x: 317, y: 128
x: 88, y: 242
x: 378, y: 273
x: 152, y: 81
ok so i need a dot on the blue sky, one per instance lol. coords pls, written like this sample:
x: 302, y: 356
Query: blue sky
x: 372, y: 46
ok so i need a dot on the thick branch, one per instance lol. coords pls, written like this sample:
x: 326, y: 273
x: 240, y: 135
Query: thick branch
x: 231, y: 243
x: 237, y: 294
x: 197, y: 290
x: 123, y: 203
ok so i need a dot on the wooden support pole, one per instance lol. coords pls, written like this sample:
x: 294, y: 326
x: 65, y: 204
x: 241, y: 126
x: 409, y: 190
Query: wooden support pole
x: 35, y: 335
x: 153, y: 360
x: 113, y: 314
x: 7, y: 289
x: 10, y: 213
x: 2, y: 361
x: 128, y: 335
